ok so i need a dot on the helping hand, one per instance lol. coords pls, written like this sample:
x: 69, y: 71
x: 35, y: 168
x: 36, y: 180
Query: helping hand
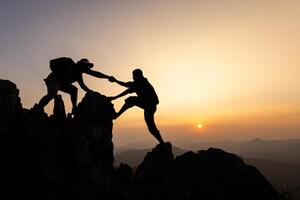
x: 112, y: 79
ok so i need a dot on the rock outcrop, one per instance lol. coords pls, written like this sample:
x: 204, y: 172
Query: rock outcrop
x: 71, y: 157
x: 211, y: 175
x: 56, y: 157
x: 10, y: 139
x: 10, y: 109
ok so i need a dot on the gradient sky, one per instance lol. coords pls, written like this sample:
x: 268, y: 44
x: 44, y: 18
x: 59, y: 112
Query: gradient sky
x: 231, y: 65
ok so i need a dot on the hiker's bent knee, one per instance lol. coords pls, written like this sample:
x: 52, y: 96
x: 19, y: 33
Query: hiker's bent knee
x: 131, y: 101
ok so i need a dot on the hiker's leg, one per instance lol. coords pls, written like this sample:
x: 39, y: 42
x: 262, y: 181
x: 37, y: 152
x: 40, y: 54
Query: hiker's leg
x: 72, y: 91
x: 129, y: 103
x: 149, y: 118
x: 52, y: 90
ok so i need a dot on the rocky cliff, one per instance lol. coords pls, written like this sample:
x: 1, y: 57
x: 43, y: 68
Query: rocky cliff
x: 71, y: 157
x: 55, y: 157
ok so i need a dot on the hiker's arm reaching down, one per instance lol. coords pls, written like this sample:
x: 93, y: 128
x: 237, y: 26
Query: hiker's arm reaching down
x: 83, y: 86
x: 121, y: 94
x: 96, y: 74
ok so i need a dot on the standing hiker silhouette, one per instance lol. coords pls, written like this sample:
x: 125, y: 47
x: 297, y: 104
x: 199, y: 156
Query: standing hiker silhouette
x: 146, y: 99
x: 65, y: 72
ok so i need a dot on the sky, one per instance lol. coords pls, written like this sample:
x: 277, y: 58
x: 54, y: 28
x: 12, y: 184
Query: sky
x: 232, y: 66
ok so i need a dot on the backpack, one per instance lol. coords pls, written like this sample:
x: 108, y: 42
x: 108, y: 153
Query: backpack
x: 60, y: 65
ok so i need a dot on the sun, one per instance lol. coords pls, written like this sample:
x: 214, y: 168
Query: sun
x: 199, y: 126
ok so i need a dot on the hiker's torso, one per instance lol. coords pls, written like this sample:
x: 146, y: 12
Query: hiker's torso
x: 69, y: 74
x: 145, y: 91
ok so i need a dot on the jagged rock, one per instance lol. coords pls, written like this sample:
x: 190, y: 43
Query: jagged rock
x: 122, y: 182
x: 123, y: 175
x: 155, y: 165
x: 10, y: 138
x: 210, y: 175
x: 55, y: 157
x: 10, y: 112
x: 10, y: 105
x: 59, y: 112
x: 89, y: 136
x: 94, y: 117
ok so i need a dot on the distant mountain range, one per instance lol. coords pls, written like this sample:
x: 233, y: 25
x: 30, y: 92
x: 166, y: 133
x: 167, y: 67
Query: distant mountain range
x: 286, y: 151
x: 277, y: 150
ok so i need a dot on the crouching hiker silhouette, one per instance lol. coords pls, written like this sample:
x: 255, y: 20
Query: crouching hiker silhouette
x: 65, y: 72
x: 146, y: 99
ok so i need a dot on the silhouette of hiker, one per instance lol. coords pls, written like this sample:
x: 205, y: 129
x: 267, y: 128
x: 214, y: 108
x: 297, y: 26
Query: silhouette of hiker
x: 65, y: 72
x: 146, y: 99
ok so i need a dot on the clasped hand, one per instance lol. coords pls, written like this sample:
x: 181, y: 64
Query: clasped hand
x: 112, y: 79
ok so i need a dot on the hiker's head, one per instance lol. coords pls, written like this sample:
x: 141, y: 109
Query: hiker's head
x: 137, y: 74
x: 85, y: 63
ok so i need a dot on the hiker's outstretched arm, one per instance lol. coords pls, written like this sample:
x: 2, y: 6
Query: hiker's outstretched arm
x: 124, y: 84
x: 121, y: 94
x: 83, y: 86
x: 96, y: 74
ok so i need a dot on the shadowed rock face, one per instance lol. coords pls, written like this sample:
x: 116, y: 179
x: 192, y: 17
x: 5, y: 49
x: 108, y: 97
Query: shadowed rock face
x: 10, y: 118
x: 94, y: 117
x: 10, y: 105
x: 55, y: 157
x: 61, y: 157
x: 211, y: 175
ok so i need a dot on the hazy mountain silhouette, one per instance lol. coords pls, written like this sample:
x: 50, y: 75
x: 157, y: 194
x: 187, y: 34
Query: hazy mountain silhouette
x: 279, y: 150
x: 279, y: 173
x: 285, y: 177
x: 65, y: 157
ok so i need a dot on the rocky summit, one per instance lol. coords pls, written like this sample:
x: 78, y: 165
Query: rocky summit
x: 71, y: 157
x: 212, y: 174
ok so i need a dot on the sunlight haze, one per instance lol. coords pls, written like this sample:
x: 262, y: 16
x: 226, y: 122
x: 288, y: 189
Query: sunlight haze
x: 231, y: 65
